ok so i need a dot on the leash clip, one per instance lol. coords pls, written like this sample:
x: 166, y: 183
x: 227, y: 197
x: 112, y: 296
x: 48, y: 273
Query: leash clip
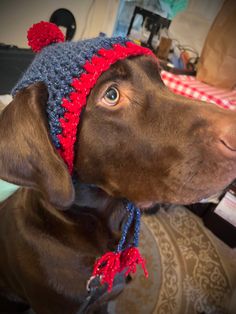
x: 93, y: 283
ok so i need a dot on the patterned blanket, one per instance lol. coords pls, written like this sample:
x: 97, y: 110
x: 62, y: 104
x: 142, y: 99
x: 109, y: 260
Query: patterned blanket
x: 190, y: 270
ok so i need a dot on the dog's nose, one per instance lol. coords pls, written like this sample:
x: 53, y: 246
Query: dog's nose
x: 228, y: 140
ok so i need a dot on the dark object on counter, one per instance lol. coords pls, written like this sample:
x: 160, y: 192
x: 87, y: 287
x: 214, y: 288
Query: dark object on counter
x: 63, y: 17
x: 221, y: 228
x: 164, y: 65
x: 200, y: 209
x: 154, y: 22
x: 13, y: 63
x: 220, y: 219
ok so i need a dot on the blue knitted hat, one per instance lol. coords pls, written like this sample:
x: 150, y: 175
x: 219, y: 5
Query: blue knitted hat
x: 70, y: 70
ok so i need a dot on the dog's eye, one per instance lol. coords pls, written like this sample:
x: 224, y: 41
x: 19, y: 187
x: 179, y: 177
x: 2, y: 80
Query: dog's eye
x: 111, y: 96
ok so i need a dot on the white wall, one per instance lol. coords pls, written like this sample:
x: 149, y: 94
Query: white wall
x: 92, y: 17
x: 191, y: 26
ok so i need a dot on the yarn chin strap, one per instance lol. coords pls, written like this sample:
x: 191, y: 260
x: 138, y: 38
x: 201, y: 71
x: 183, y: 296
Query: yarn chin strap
x: 126, y: 257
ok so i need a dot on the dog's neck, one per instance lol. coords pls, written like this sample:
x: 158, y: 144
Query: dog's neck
x: 7, y: 189
x: 90, y: 200
x: 94, y: 199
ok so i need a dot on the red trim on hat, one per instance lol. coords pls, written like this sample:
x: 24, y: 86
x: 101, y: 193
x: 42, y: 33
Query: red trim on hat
x: 82, y: 87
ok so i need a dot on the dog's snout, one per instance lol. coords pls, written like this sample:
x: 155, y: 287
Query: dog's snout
x: 228, y: 140
x: 219, y: 126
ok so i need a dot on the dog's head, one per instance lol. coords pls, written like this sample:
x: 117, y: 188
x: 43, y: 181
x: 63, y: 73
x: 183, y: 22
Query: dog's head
x: 136, y: 140
x: 150, y: 145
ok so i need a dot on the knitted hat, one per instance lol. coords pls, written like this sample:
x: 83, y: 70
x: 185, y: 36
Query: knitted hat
x: 70, y: 70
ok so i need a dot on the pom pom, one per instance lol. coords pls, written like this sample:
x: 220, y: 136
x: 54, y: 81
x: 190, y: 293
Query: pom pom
x: 43, y: 34
x: 130, y: 258
x: 107, y: 267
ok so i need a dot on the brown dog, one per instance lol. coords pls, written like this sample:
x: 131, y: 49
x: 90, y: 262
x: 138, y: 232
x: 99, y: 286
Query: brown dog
x: 151, y: 146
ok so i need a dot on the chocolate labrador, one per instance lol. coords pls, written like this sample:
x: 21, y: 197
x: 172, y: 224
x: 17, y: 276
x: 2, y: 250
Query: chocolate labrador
x: 149, y: 147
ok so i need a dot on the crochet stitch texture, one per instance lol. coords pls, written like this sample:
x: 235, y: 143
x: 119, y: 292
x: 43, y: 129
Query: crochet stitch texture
x: 70, y: 70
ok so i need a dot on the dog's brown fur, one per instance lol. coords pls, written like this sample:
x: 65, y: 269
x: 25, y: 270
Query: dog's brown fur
x: 153, y: 146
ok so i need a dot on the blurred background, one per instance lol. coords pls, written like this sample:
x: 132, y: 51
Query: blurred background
x: 191, y: 19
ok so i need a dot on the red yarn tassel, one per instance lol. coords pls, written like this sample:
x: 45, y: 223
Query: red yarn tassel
x: 130, y: 258
x: 107, y: 267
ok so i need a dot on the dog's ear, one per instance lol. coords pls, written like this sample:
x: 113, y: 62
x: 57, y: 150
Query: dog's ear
x: 27, y: 155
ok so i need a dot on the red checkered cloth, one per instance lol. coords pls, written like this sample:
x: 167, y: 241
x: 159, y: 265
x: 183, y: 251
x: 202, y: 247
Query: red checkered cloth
x: 188, y: 86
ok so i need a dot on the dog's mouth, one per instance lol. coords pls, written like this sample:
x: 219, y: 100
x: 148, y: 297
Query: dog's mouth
x: 145, y: 205
x: 151, y: 204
